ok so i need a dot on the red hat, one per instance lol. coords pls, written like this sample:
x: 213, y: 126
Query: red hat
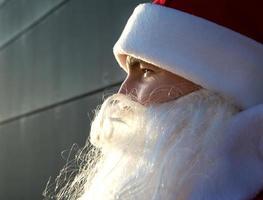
x: 216, y: 44
x: 241, y: 16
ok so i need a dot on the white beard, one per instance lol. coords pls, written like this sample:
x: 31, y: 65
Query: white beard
x: 163, y: 152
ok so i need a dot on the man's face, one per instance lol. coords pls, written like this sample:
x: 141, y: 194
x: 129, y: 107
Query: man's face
x: 160, y: 151
x: 148, y: 84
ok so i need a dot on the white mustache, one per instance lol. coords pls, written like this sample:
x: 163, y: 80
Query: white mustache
x: 114, y: 119
x: 146, y: 151
x: 118, y: 112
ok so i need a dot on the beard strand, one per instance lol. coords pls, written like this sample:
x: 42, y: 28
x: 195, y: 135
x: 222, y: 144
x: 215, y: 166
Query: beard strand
x: 157, y: 152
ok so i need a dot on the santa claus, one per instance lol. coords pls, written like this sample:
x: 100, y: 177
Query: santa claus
x: 187, y: 123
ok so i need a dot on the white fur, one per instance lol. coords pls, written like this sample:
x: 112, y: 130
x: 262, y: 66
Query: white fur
x: 208, y: 54
x: 195, y: 148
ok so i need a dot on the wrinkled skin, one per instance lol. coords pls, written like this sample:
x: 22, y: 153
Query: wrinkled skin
x: 148, y: 84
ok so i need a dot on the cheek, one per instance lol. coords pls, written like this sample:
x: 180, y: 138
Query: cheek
x: 158, y: 91
x: 162, y: 94
x: 153, y: 89
x: 152, y: 92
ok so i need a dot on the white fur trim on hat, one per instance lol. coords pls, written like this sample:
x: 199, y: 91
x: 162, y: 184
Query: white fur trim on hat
x: 203, y: 52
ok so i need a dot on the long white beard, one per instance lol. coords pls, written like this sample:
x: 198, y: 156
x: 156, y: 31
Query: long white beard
x: 163, y: 152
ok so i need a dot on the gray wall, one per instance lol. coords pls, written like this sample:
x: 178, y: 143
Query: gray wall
x: 56, y: 62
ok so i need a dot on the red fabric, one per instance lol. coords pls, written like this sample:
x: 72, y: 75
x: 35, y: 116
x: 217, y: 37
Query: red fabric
x: 259, y: 196
x: 241, y: 16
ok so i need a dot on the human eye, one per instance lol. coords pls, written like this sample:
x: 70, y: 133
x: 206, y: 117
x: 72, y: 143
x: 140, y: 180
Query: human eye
x: 147, y: 72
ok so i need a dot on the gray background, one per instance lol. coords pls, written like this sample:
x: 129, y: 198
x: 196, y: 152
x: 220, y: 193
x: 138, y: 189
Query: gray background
x: 56, y: 63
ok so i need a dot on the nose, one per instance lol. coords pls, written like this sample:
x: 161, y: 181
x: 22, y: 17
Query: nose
x: 128, y: 87
x: 124, y: 89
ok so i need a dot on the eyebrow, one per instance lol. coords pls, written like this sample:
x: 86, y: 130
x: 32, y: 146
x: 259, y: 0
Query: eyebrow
x: 131, y: 61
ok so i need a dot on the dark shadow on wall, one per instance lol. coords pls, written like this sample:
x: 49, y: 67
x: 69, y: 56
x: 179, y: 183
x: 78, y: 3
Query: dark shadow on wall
x: 56, y: 64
